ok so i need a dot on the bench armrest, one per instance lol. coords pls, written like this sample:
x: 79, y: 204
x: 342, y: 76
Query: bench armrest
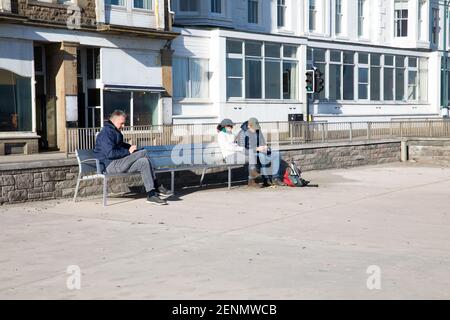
x: 97, y: 164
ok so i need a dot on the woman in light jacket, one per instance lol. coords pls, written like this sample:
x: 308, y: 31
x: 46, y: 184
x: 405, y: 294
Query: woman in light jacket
x: 233, y: 153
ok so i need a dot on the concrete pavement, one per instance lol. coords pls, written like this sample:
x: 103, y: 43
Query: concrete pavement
x: 241, y: 244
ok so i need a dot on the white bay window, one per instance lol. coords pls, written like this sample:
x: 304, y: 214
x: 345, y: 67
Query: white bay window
x: 190, y: 78
x: 257, y: 70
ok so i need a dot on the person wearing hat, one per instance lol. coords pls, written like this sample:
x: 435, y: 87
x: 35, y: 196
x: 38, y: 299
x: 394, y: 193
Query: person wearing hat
x: 252, y: 139
x: 233, y: 153
x: 227, y: 139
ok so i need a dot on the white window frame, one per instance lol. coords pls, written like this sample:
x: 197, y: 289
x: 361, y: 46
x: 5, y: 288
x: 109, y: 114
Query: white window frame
x: 361, y: 6
x: 435, y: 26
x: 361, y: 65
x: 281, y: 11
x: 339, y: 17
x: 189, y: 94
x: 312, y: 16
x: 222, y: 8
x: 401, y: 5
x: 258, y: 13
x: 143, y: 9
x: 263, y: 58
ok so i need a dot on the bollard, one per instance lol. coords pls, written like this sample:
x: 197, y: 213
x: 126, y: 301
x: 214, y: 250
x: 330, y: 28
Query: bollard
x: 404, y: 151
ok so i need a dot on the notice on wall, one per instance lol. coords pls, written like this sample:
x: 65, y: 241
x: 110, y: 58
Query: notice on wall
x: 71, y: 108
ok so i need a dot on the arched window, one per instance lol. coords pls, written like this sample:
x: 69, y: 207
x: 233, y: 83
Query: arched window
x: 15, y: 102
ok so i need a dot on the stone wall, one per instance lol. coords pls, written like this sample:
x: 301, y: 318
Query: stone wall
x: 56, y: 179
x: 56, y: 13
x: 435, y: 151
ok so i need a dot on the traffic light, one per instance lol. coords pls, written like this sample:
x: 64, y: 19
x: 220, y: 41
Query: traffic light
x: 310, y: 81
x: 319, y: 82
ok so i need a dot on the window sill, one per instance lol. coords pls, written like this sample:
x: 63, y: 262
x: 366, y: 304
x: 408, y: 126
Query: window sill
x: 266, y: 101
x: 367, y: 102
x: 116, y: 7
x: 143, y: 11
x: 192, y: 101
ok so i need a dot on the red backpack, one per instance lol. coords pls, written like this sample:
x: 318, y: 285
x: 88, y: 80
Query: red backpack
x: 292, y: 176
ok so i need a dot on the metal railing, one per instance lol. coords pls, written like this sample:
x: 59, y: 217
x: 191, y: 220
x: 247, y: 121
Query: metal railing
x: 275, y: 132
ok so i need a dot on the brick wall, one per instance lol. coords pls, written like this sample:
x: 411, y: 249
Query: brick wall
x: 57, y: 179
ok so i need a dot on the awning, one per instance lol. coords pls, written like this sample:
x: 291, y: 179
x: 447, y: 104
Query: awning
x: 133, y: 88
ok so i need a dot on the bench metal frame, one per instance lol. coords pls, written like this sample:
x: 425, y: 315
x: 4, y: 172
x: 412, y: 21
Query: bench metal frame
x: 98, y: 174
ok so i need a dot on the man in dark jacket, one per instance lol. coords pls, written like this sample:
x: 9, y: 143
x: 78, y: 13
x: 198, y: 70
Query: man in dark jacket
x: 119, y: 157
x: 252, y: 139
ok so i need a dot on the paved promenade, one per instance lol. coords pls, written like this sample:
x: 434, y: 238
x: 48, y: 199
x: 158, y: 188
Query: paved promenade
x: 313, y: 243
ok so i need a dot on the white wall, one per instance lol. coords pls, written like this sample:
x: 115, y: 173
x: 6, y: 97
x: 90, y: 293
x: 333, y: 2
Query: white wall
x: 130, y: 67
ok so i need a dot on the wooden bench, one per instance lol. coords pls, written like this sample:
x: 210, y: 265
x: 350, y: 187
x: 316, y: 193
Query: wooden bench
x: 165, y: 159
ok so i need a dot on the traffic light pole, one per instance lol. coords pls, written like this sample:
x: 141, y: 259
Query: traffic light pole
x: 444, y: 86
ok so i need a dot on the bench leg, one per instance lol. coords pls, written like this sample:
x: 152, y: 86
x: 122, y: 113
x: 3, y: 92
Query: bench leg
x: 203, y: 177
x: 172, y: 181
x: 229, y: 178
x: 105, y: 191
x: 76, y: 188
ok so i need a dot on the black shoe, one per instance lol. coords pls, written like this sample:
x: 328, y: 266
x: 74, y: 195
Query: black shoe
x: 163, y: 192
x: 266, y: 183
x: 156, y: 200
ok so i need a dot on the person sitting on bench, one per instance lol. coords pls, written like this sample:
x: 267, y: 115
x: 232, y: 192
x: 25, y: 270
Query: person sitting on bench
x: 252, y: 139
x: 116, y: 156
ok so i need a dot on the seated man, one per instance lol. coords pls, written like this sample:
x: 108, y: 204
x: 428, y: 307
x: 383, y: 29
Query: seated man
x: 252, y: 139
x: 119, y: 157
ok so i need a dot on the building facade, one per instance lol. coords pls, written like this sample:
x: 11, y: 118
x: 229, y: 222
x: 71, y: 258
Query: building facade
x: 70, y: 63
x: 381, y: 59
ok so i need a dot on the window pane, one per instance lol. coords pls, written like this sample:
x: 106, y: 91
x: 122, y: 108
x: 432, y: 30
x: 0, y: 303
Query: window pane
x: 116, y: 101
x: 253, y: 49
x: 145, y: 109
x: 289, y: 52
x: 412, y: 85
x: 375, y: 59
x: 335, y: 82
x: 234, y: 88
x: 423, y: 79
x: 253, y: 86
x: 142, y: 4
x: 234, y: 67
x: 412, y: 62
x: 289, y: 80
x: 388, y: 84
x: 349, y: 57
x: 234, y: 46
x: 273, y: 75
x: 375, y: 82
x: 335, y: 56
x: 399, y: 61
x: 363, y: 92
x: 273, y: 50
x: 216, y: 6
x: 399, y: 84
x: 253, y: 11
x: 348, y: 82
x: 199, y: 78
x: 388, y: 60
x: 180, y: 77
x: 319, y: 55
x: 363, y: 58
x: 363, y: 75
x: 15, y: 102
